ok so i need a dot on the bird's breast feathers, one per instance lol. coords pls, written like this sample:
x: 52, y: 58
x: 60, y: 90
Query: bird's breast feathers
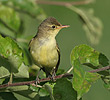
x: 45, y: 54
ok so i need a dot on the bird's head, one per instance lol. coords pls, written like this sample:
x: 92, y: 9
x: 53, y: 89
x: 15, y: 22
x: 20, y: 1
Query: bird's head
x: 50, y: 27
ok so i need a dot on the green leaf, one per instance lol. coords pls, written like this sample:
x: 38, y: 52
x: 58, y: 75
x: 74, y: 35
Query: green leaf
x: 34, y: 88
x: 1, y: 80
x: 18, y: 88
x: 82, y: 80
x: 49, y: 88
x: 4, y: 67
x: 11, y: 52
x: 27, y: 94
x: 11, y: 60
x: 106, y: 80
x: 91, y: 24
x: 6, y: 96
x: 22, y: 72
x: 23, y: 91
x: 88, y: 56
x: 43, y: 92
x: 9, y: 19
x: 85, y: 55
x: 29, y: 7
x: 63, y: 90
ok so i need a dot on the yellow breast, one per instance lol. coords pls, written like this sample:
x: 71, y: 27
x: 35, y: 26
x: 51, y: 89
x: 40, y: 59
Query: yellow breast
x: 45, y: 54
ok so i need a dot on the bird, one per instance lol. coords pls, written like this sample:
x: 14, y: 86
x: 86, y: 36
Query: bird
x: 43, y: 47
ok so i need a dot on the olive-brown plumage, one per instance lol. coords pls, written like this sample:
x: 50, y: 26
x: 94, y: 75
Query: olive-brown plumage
x: 43, y: 47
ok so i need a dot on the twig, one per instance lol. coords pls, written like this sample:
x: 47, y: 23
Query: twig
x: 93, y: 71
x: 62, y: 3
x: 33, y: 82
x: 100, y: 69
x: 48, y: 79
x: 70, y: 70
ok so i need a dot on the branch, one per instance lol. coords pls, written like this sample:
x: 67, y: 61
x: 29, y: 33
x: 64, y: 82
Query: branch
x: 33, y: 82
x: 62, y: 3
x: 100, y: 69
x: 48, y: 79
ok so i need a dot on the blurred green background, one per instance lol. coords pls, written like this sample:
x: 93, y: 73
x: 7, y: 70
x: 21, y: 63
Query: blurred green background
x: 75, y: 35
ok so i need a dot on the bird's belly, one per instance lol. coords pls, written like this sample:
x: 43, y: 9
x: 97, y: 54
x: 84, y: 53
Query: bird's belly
x: 46, y: 57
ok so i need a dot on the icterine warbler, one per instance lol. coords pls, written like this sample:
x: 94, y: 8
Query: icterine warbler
x: 43, y: 47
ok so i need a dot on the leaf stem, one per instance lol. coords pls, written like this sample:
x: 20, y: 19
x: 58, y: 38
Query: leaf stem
x: 70, y: 70
x: 11, y: 78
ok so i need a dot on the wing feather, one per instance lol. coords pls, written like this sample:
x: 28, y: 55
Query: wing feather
x: 58, y: 50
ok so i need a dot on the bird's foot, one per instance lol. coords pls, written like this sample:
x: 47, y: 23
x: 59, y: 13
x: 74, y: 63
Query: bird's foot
x: 37, y: 80
x: 52, y: 77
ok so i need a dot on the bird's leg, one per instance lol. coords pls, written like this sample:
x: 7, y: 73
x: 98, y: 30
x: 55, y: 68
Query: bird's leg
x: 53, y: 75
x: 37, y: 77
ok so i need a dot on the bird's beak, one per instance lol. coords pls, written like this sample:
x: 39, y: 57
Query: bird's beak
x: 63, y: 26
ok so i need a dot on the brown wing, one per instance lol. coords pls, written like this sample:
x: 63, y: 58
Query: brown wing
x: 31, y: 42
x: 58, y: 50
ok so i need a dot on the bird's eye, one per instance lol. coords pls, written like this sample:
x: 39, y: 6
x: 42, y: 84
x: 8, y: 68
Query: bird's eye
x: 53, y: 26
